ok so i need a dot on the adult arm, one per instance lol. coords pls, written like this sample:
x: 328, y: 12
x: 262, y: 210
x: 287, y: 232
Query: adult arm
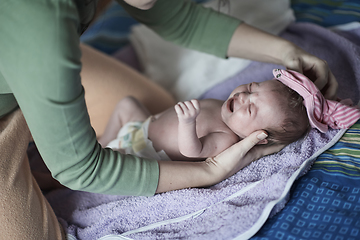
x: 41, y: 65
x: 40, y: 60
x: 178, y: 174
x: 188, y: 24
x: 203, y: 29
x: 251, y: 43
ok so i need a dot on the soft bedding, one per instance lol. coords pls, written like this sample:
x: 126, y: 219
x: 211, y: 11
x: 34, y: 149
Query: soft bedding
x: 309, y: 190
x: 325, y: 203
x: 237, y: 207
x: 234, y: 208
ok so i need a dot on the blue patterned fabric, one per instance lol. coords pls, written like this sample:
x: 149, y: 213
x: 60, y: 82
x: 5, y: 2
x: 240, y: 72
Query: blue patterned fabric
x: 325, y: 203
x: 325, y: 12
x: 110, y: 32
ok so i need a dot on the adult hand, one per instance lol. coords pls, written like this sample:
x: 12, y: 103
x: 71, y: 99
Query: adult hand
x: 242, y: 154
x: 180, y: 174
x: 254, y: 44
x: 315, y: 69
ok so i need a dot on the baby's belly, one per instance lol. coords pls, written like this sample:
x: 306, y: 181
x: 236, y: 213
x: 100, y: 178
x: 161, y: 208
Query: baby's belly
x: 163, y: 135
x: 165, y: 138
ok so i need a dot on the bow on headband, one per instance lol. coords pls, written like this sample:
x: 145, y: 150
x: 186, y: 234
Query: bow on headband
x: 321, y: 112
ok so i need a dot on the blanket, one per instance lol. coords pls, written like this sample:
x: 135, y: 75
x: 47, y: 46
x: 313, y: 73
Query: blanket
x: 324, y: 204
x: 237, y: 207
x: 234, y: 208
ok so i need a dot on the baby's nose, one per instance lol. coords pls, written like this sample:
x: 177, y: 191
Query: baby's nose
x: 243, y: 97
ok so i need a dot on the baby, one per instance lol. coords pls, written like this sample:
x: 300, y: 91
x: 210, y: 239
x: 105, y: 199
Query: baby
x: 194, y: 130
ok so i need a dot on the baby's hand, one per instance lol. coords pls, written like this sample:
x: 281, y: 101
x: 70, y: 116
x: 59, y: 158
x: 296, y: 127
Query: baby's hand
x: 187, y: 111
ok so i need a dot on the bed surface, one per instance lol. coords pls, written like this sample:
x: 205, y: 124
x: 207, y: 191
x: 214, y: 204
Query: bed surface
x: 324, y: 203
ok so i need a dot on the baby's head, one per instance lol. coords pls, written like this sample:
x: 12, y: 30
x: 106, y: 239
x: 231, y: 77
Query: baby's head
x: 270, y: 106
x: 295, y: 125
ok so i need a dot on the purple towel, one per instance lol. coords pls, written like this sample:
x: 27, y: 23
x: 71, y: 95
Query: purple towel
x: 238, y: 206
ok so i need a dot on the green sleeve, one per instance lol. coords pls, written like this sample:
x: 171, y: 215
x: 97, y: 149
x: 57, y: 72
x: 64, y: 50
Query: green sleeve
x: 40, y: 61
x: 188, y: 24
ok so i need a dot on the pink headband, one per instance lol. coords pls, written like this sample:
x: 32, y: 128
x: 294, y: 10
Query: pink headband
x: 321, y: 112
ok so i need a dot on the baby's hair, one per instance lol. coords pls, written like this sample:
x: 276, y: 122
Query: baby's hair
x: 296, y: 124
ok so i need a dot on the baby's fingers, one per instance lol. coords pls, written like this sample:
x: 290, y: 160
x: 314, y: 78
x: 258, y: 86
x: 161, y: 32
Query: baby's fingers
x: 178, y: 109
x: 196, y: 104
x: 192, y: 106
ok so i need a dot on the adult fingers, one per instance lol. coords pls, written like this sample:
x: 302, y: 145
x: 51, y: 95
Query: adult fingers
x: 241, y: 148
x: 238, y: 155
x: 264, y: 150
x: 325, y: 80
x: 332, y: 87
x: 295, y: 65
x: 319, y: 73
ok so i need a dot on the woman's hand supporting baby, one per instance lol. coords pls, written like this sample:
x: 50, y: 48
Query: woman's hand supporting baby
x: 215, y: 169
x: 254, y: 44
x: 243, y: 153
x: 314, y: 68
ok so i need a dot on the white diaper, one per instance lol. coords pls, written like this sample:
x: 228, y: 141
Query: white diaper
x: 133, y: 139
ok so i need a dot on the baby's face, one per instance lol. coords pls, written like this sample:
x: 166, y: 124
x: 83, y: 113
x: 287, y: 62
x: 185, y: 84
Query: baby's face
x: 253, y: 106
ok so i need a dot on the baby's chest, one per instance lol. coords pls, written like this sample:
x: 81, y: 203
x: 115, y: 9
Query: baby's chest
x: 208, y: 123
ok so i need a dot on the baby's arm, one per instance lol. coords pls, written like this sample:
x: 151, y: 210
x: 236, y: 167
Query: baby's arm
x: 189, y: 143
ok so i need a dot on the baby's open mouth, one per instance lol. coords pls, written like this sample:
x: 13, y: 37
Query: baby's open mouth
x: 231, y: 105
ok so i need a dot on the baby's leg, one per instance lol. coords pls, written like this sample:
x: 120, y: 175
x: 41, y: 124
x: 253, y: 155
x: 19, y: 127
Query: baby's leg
x: 129, y: 109
x: 107, y: 81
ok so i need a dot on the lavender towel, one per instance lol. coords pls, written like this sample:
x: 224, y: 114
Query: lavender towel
x: 237, y: 207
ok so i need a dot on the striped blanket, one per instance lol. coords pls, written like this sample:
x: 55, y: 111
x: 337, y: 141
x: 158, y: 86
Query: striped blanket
x: 325, y: 203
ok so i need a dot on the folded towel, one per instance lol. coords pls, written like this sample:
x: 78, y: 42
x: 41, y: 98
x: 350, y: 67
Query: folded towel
x: 236, y: 207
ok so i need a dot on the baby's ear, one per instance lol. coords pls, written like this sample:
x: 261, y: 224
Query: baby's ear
x: 262, y: 142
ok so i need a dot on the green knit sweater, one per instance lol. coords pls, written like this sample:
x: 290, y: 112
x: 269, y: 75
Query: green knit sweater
x: 40, y: 72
